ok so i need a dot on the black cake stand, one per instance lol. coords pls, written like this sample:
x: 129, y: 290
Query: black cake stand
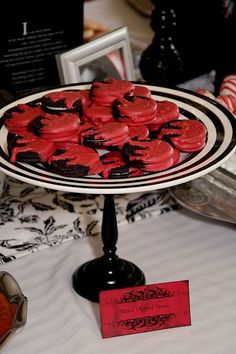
x: 109, y: 271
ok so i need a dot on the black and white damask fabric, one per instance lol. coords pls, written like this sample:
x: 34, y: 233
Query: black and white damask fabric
x: 34, y: 218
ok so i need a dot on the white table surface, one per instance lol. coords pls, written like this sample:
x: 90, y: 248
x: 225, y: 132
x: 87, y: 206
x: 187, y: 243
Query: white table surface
x: 175, y: 246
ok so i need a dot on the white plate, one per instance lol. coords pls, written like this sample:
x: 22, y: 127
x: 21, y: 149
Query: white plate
x: 220, y: 145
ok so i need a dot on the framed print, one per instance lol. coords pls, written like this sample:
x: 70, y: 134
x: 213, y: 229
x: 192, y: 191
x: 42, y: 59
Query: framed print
x: 106, y: 56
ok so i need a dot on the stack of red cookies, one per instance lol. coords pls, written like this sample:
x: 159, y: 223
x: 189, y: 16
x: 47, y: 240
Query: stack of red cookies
x: 114, y: 129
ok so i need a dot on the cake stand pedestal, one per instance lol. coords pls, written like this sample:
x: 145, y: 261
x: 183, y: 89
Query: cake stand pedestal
x: 108, y: 271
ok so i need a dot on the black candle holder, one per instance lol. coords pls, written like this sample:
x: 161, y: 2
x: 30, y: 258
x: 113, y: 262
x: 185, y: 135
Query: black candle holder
x: 161, y: 62
x: 108, y: 271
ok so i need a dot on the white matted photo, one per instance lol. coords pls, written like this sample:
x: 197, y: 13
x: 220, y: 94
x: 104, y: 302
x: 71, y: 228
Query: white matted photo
x: 104, y: 57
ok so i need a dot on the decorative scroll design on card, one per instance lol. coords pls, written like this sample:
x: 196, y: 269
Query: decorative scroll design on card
x: 145, y: 294
x: 148, y: 322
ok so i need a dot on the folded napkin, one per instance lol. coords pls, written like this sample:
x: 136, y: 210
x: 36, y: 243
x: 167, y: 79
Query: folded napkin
x: 34, y: 218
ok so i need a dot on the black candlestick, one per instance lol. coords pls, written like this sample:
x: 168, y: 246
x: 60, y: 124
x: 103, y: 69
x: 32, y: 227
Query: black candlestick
x: 161, y: 63
x: 108, y: 271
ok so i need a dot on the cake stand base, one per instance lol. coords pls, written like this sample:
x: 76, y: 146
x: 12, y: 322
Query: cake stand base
x: 108, y: 271
x: 104, y: 274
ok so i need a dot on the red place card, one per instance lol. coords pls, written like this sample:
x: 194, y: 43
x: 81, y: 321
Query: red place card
x: 144, y: 308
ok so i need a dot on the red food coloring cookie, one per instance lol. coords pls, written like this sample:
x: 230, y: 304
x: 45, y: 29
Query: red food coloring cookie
x: 67, y: 100
x: 142, y: 91
x: 186, y: 135
x: 30, y: 149
x: 106, y: 92
x: 135, y: 110
x: 56, y: 127
x: 153, y: 155
x: 106, y: 136
x: 74, y: 160
x: 166, y: 111
x: 185, y: 147
x: 18, y: 119
x: 138, y: 132
x: 115, y: 167
x: 97, y: 114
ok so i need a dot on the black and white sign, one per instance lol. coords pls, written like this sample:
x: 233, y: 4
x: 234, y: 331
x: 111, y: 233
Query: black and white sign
x: 30, y: 37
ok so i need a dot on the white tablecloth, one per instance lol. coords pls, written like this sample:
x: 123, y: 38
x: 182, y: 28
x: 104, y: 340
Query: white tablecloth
x: 175, y: 246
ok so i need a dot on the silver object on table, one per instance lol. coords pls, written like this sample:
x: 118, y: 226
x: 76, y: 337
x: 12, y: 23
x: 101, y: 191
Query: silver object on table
x: 213, y: 195
x: 11, y: 290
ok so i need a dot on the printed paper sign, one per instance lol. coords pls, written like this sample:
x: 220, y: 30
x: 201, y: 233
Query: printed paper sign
x: 30, y: 38
x: 144, y: 308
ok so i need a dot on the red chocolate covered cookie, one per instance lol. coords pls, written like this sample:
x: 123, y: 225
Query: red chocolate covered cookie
x: 135, y: 110
x: 108, y: 135
x: 74, y: 160
x: 18, y: 118
x: 29, y: 149
x: 142, y: 91
x: 138, y: 132
x: 115, y: 167
x: 97, y: 114
x: 67, y: 100
x: 166, y: 111
x: 56, y: 127
x: 153, y: 155
x: 106, y: 92
x: 186, y: 135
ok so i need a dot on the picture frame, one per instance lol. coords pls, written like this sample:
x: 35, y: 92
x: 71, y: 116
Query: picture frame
x: 104, y: 57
